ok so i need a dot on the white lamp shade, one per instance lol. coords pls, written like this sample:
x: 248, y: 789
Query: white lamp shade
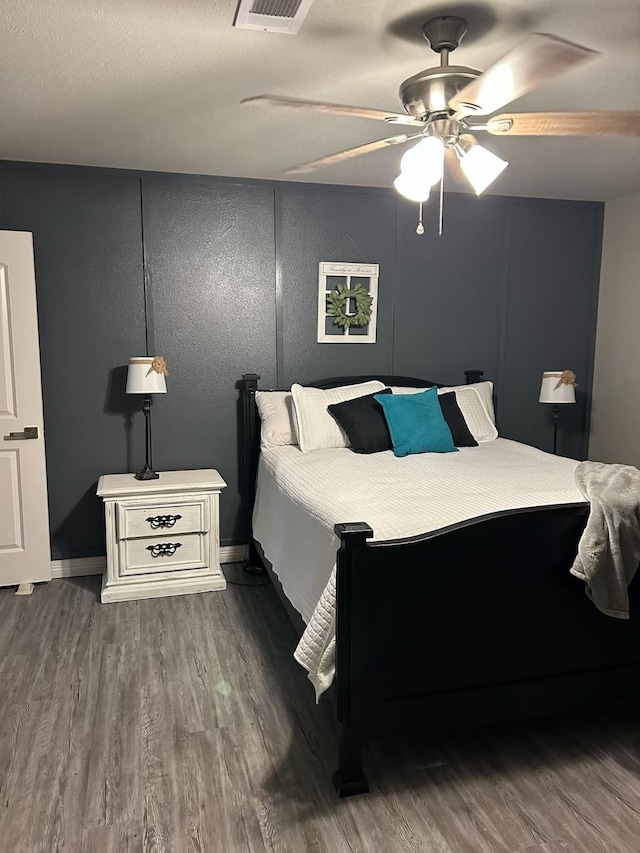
x: 411, y: 187
x: 142, y: 380
x: 550, y: 394
x: 425, y: 161
x: 481, y: 167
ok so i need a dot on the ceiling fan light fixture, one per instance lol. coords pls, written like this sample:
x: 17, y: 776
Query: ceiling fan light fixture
x: 480, y: 166
x: 424, y: 162
x: 412, y: 186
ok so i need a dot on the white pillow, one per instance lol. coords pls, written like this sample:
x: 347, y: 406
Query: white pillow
x: 476, y: 405
x: 276, y: 416
x: 406, y: 389
x: 485, y: 389
x: 316, y: 427
x: 474, y: 410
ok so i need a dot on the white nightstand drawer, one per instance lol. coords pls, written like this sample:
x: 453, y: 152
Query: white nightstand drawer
x: 157, y: 519
x: 163, y: 554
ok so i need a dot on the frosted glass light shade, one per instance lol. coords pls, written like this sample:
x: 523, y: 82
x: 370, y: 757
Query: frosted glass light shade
x: 425, y: 161
x: 141, y: 381
x: 481, y: 167
x: 550, y: 394
x: 412, y: 187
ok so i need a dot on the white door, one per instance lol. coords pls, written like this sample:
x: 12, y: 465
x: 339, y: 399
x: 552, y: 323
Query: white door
x: 25, y: 554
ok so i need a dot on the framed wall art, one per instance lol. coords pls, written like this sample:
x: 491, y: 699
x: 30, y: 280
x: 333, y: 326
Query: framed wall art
x: 347, y: 303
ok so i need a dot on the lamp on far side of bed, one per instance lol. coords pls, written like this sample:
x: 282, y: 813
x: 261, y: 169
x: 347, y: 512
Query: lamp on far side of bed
x: 558, y: 387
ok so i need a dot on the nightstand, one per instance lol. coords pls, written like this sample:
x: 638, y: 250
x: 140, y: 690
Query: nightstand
x: 162, y: 535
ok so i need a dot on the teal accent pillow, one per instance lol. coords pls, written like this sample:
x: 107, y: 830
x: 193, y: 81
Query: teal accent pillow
x: 416, y: 423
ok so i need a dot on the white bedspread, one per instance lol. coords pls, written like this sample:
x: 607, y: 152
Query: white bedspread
x: 300, y: 496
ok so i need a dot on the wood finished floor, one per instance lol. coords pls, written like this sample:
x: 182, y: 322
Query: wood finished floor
x: 183, y: 724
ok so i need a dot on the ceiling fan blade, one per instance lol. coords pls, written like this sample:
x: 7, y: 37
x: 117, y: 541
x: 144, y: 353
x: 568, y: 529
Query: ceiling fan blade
x: 522, y: 69
x: 334, y: 109
x: 341, y: 156
x: 566, y: 124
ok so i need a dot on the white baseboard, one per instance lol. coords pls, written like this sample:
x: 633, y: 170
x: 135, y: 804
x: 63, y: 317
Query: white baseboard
x: 233, y: 553
x: 76, y: 567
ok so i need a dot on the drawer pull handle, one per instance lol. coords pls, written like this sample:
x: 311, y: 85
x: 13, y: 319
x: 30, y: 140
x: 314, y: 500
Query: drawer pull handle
x: 157, y: 521
x: 164, y: 549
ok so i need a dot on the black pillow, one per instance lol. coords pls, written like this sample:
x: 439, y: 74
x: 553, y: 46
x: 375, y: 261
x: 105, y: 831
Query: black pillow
x: 455, y: 420
x: 364, y: 423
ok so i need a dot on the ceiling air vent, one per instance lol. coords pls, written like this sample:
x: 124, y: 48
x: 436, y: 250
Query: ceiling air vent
x: 272, y: 16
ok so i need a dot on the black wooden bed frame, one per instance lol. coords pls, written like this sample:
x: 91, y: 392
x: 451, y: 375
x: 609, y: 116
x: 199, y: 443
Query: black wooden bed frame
x: 475, y: 623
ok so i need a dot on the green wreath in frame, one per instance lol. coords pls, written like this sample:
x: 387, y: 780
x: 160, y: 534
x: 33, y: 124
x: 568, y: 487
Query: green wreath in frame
x: 338, y: 300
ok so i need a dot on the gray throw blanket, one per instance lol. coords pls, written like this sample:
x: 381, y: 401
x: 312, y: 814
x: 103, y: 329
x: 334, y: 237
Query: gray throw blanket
x: 609, y: 549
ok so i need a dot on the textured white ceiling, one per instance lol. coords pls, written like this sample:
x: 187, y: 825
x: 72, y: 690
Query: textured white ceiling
x: 156, y: 84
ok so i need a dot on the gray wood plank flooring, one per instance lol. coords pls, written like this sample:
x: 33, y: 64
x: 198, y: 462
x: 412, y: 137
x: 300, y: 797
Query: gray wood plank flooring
x: 184, y: 725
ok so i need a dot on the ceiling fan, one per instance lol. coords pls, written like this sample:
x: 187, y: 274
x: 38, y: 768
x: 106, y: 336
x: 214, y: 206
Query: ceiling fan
x: 442, y: 103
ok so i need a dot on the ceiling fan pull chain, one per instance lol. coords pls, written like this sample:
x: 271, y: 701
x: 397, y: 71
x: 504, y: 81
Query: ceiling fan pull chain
x: 441, y: 204
x: 420, y: 228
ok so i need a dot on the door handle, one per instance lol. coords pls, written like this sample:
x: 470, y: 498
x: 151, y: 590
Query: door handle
x: 27, y: 433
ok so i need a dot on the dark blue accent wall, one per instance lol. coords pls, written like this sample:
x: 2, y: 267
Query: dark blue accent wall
x: 510, y: 287
x: 449, y: 288
x: 313, y: 223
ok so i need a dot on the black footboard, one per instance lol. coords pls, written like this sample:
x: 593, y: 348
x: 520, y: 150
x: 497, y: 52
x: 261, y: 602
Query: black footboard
x: 479, y: 623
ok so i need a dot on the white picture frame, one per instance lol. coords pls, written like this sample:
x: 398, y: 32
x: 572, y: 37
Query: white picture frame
x: 332, y: 273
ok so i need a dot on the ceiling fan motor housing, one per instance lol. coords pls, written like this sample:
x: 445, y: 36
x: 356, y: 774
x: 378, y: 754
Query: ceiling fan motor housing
x: 430, y: 91
x: 444, y: 32
x: 427, y: 94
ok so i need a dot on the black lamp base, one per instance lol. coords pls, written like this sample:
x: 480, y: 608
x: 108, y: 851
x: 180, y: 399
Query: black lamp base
x: 147, y: 474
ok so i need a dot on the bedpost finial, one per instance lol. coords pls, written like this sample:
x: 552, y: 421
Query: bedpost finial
x: 353, y: 530
x: 473, y: 376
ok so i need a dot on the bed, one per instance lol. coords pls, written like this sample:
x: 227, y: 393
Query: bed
x: 468, y: 617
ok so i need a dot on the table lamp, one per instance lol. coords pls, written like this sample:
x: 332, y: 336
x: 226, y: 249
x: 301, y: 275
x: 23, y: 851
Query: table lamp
x: 146, y: 375
x: 558, y: 387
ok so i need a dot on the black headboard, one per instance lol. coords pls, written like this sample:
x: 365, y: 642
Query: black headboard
x: 250, y: 420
